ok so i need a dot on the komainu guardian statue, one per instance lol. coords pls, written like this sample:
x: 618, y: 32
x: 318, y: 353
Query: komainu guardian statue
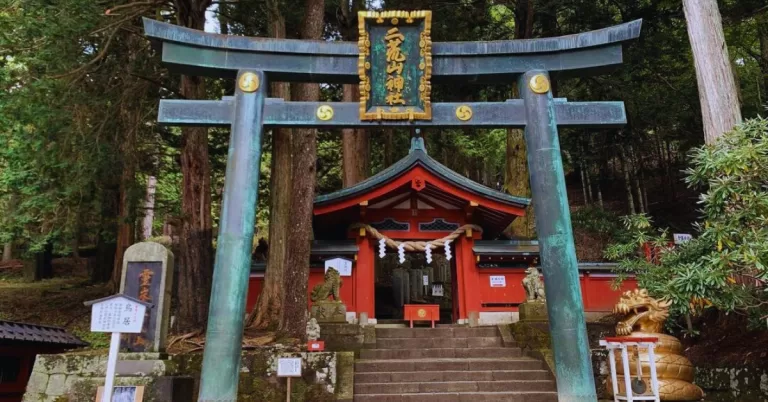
x: 324, y: 310
x: 535, y: 306
x: 534, y: 287
x: 644, y: 316
x: 330, y: 287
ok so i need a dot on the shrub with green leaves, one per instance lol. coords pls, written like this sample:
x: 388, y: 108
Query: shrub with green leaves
x: 723, y: 267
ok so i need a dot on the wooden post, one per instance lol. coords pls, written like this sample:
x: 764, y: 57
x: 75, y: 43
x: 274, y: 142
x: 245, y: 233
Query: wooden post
x: 109, y: 381
x: 573, y: 363
x: 221, y: 358
x: 720, y: 108
x: 288, y: 391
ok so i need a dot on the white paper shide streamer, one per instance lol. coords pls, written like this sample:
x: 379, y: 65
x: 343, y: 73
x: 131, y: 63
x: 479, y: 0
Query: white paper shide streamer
x: 401, y: 252
x: 448, y: 250
x: 428, y: 251
x: 382, y: 248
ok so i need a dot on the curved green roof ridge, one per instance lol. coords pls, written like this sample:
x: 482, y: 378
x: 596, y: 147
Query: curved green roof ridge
x: 418, y: 156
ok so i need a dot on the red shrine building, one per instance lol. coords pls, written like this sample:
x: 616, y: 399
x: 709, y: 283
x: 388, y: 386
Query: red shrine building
x: 419, y: 199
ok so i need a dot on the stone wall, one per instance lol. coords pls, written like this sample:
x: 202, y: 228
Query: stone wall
x: 76, y: 377
x: 733, y: 384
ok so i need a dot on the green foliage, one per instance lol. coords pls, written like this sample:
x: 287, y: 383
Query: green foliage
x: 715, y: 269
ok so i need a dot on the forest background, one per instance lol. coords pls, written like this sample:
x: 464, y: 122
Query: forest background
x: 85, y: 169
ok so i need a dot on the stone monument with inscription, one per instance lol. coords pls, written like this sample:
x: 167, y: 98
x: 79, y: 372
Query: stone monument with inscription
x: 535, y: 306
x: 148, y: 276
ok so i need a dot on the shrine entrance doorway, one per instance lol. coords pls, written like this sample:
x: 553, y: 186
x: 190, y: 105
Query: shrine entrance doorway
x: 415, y: 281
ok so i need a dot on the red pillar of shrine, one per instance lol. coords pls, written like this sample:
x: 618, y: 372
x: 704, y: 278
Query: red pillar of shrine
x: 364, y: 277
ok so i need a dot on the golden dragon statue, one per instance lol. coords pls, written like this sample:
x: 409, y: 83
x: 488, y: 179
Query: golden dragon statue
x: 644, y: 316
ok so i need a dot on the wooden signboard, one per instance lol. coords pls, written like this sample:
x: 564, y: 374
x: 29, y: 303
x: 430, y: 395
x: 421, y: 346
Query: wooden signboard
x: 395, y: 65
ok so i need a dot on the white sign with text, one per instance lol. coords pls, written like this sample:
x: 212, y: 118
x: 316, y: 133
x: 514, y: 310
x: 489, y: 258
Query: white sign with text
x: 117, y: 314
x: 343, y: 265
x: 498, y: 281
x: 681, y: 238
x: 289, y: 367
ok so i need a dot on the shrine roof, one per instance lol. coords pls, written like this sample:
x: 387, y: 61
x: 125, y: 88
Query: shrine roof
x: 418, y: 156
x: 23, y: 332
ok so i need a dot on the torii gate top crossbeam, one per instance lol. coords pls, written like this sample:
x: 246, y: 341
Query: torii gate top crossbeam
x: 191, y: 51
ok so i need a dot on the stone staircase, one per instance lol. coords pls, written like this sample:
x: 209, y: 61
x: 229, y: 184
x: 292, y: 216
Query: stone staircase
x: 449, y: 364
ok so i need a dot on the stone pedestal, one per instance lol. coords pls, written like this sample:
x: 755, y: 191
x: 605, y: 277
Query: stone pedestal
x: 533, y: 311
x: 329, y: 312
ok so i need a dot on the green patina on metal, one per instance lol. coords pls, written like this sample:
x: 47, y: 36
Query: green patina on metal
x: 221, y: 358
x: 194, y: 52
x: 573, y: 367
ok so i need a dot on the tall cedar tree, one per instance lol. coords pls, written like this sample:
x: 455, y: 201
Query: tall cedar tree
x: 294, y: 313
x: 266, y: 313
x: 720, y: 106
x: 195, y: 249
x: 355, y: 145
x: 516, y: 167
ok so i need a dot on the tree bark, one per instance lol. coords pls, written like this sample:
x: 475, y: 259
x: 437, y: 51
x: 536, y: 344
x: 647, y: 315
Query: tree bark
x: 195, y: 259
x: 589, y: 184
x: 583, y: 184
x: 131, y: 117
x: 517, y: 182
x: 389, y: 151
x: 718, y: 96
x: 355, y: 146
x: 627, y: 181
x: 762, y: 32
x: 266, y: 314
x: 516, y: 176
x: 149, y: 209
x: 294, y: 313
x: 7, y: 251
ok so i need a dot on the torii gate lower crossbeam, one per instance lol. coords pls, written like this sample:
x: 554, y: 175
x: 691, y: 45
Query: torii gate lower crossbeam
x: 249, y: 112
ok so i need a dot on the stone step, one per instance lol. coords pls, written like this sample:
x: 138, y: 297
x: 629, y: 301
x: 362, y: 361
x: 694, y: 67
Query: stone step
x: 438, y: 353
x: 454, y: 386
x: 468, y: 364
x: 461, y: 397
x: 431, y: 343
x: 445, y: 332
x: 437, y: 376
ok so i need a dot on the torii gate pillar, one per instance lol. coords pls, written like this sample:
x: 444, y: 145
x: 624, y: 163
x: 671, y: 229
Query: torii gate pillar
x: 573, y: 368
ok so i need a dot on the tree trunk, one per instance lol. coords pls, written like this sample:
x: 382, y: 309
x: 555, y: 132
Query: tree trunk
x: 516, y: 177
x: 266, y: 314
x: 293, y: 318
x: 125, y: 224
x: 762, y: 33
x: 149, y: 209
x: 720, y: 107
x: 633, y: 163
x: 627, y: 181
x: 517, y: 183
x: 589, y: 185
x: 583, y: 184
x: 355, y: 147
x: 599, y: 193
x: 7, y: 251
x: 389, y: 150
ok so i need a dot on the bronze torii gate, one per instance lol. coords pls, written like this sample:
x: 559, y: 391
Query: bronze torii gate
x: 386, y: 84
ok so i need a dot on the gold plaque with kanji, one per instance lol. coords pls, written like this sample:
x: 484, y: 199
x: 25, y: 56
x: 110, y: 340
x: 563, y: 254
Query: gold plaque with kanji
x: 395, y: 65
